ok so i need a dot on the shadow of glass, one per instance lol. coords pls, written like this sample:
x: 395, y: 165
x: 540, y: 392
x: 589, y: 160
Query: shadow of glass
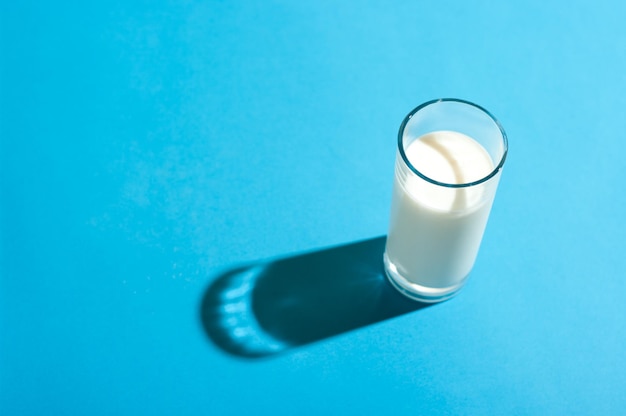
x: 270, y: 307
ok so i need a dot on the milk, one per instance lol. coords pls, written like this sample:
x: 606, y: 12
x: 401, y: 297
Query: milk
x: 435, y: 230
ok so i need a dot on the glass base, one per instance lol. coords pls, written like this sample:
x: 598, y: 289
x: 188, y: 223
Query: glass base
x: 418, y: 292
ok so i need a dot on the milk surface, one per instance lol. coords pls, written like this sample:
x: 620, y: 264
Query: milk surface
x: 435, y: 231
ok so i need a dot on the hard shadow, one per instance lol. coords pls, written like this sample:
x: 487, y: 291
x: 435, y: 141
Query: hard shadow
x: 270, y: 307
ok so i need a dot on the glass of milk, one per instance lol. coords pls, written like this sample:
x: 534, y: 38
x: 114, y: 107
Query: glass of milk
x: 449, y: 160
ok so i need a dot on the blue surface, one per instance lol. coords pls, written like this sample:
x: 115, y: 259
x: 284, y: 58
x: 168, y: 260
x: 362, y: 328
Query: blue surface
x: 164, y: 165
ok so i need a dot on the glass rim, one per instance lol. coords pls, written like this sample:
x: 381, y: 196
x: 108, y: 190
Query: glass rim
x: 413, y: 169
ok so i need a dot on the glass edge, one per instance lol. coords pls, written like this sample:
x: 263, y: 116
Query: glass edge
x: 495, y: 170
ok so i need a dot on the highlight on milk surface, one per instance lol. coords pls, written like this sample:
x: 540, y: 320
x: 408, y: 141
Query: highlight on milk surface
x: 450, y: 157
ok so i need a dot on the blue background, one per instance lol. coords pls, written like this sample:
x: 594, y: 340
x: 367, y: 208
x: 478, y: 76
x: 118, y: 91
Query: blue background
x: 151, y: 151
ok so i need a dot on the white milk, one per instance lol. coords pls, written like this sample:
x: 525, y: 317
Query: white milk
x: 435, y: 231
